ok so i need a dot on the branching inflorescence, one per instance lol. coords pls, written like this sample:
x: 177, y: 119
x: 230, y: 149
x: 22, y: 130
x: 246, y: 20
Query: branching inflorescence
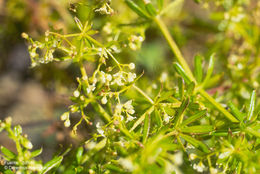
x: 179, y: 126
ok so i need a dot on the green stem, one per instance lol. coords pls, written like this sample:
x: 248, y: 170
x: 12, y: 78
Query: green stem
x: 186, y: 68
x: 101, y: 110
x: 174, y: 47
x: 141, y: 119
x: 217, y: 105
x: 144, y: 94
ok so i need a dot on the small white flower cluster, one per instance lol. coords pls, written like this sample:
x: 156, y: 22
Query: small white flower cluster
x: 47, y: 48
x: 100, y: 130
x: 105, y: 78
x: 91, y: 88
x: 127, y: 108
x: 199, y: 167
x: 192, y: 156
x: 121, y: 78
x: 166, y: 117
x: 65, y: 117
x: 105, y: 9
x: 135, y: 42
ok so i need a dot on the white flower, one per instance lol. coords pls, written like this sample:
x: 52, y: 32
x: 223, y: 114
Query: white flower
x: 199, y: 167
x: 91, y: 88
x: 127, y: 164
x: 76, y: 93
x: 131, y: 77
x: 129, y: 118
x: 178, y: 160
x: 163, y: 77
x: 85, y: 78
x: 100, y: 130
x: 129, y: 108
x: 192, y: 156
x: 140, y: 38
x: 132, y: 66
x: 108, y: 77
x: 65, y: 116
x: 103, y: 77
x: 118, y: 108
x: 67, y: 123
x: 25, y: 35
x: 128, y: 104
x: 166, y: 118
x: 104, y: 100
x: 118, y: 81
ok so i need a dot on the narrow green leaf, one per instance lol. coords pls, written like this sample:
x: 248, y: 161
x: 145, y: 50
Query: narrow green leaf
x: 239, y: 167
x: 251, y: 106
x: 235, y: 111
x: 179, y: 114
x: 181, y: 72
x: 150, y: 9
x: 79, y: 154
x: 36, y: 153
x: 195, y: 143
x: 165, y: 95
x: 8, y: 153
x: 194, y: 117
x: 210, y: 69
x: 100, y: 145
x: 146, y: 127
x: 124, y: 130
x: 214, y: 80
x: 220, y: 134
x: 79, y: 24
x: 198, y: 71
x: 138, y: 10
x: 51, y: 164
x: 181, y: 87
x: 198, y: 129
x: 158, y: 118
x: 190, y: 89
x: 173, y: 9
x: 253, y: 132
x: 114, y: 168
x: 160, y: 4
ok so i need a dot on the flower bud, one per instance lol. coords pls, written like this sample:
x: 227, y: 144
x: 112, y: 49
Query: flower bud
x: 131, y: 66
x: 64, y: 116
x: 76, y: 93
x: 104, y: 100
x: 67, y: 123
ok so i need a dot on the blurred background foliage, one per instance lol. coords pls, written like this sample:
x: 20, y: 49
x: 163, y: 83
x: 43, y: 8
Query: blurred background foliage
x: 35, y: 98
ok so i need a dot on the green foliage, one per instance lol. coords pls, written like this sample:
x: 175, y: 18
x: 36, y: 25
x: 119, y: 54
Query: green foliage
x: 139, y: 129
